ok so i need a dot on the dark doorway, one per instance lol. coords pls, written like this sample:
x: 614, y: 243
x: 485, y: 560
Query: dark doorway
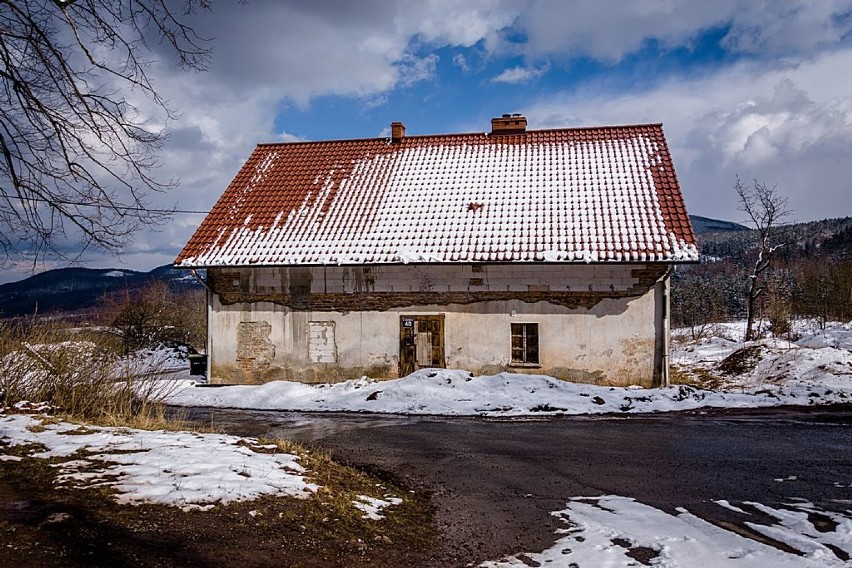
x: 421, y: 343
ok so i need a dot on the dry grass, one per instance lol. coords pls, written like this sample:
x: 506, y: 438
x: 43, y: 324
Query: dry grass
x: 698, y: 377
x: 81, y: 379
x: 742, y: 360
x: 340, y: 486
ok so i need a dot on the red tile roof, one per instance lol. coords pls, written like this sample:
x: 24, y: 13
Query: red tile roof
x: 605, y: 194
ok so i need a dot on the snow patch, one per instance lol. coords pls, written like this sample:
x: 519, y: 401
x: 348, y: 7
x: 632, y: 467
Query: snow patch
x: 372, y: 507
x: 182, y: 469
x: 603, y: 531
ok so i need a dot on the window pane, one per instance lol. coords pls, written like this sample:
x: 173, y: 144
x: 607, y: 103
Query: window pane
x: 524, y: 342
x: 532, y: 343
x: 532, y: 353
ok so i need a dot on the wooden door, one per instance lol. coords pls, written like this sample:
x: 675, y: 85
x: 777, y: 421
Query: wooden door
x: 421, y: 343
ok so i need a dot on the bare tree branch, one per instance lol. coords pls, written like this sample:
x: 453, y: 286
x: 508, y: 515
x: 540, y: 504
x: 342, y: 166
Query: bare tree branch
x: 76, y: 153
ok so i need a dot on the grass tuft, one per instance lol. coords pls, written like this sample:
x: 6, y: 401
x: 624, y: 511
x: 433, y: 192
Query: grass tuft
x: 333, y: 508
x: 698, y: 377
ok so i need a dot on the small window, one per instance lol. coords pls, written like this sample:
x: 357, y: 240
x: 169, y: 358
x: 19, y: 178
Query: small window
x: 525, y: 343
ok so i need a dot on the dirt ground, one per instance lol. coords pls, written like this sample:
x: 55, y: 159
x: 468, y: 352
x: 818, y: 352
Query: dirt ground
x: 44, y: 526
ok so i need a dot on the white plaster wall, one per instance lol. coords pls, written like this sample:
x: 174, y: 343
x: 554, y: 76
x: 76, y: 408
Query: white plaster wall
x: 613, y: 342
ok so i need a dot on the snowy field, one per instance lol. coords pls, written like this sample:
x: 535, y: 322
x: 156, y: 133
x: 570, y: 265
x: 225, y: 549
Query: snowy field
x: 814, y: 369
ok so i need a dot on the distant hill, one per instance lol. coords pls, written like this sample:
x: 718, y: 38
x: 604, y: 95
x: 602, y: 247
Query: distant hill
x: 830, y: 238
x: 707, y: 225
x: 66, y: 289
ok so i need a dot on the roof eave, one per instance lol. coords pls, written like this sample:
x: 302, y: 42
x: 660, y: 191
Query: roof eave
x: 449, y: 263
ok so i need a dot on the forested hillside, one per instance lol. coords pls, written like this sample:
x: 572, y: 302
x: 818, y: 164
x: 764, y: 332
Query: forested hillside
x: 810, y: 276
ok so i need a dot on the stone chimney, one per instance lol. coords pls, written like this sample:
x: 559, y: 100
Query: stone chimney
x: 509, y: 124
x: 397, y: 132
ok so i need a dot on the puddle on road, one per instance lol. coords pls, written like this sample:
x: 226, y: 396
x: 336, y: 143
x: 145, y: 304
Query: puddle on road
x: 297, y: 426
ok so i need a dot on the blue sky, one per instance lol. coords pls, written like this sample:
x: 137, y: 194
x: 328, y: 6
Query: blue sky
x: 466, y: 90
x: 756, y: 88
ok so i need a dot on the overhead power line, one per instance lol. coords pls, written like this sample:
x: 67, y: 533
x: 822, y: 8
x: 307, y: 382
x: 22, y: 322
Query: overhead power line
x: 110, y: 206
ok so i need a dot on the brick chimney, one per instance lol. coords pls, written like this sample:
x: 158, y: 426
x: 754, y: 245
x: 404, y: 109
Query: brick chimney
x: 397, y: 132
x: 509, y: 124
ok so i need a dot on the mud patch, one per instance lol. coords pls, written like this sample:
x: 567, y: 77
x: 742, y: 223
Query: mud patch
x: 577, y: 375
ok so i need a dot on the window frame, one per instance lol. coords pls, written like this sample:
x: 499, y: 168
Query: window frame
x: 526, y: 332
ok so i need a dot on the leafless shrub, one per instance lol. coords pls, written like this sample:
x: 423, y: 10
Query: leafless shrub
x: 77, y: 378
x: 157, y: 315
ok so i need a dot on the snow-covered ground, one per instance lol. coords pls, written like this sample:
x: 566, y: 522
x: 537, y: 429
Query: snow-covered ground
x: 161, y: 360
x: 191, y: 470
x: 811, y: 355
x: 605, y: 531
x: 815, y: 369
x: 184, y: 469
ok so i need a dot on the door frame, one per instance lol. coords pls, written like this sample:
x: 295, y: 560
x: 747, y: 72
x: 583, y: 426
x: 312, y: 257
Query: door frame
x: 408, y: 327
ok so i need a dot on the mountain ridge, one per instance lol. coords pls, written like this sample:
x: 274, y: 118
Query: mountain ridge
x: 80, y: 288
x: 708, y: 225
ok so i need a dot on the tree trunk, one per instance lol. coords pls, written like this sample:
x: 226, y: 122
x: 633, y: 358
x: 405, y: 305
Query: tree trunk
x: 752, y: 297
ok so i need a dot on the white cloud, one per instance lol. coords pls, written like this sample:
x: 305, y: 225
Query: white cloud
x: 414, y: 69
x: 516, y: 75
x: 610, y: 29
x: 287, y: 137
x: 460, y: 61
x: 304, y: 50
x: 792, y: 127
x: 788, y: 28
x: 460, y: 23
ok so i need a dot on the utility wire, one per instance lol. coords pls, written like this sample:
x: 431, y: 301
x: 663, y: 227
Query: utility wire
x: 121, y: 207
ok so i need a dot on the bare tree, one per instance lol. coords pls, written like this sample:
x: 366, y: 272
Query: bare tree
x: 77, y: 148
x: 157, y: 315
x: 767, y: 211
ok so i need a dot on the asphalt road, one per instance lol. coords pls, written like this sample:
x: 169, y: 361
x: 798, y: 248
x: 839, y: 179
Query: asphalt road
x: 494, y: 484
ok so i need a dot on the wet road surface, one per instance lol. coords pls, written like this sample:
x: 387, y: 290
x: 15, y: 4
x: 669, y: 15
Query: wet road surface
x: 494, y: 483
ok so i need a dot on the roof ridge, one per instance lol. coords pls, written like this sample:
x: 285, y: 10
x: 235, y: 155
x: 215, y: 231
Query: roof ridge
x: 461, y: 134
x: 600, y: 127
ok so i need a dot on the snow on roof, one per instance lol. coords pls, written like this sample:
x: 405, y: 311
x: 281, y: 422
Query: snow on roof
x: 607, y: 194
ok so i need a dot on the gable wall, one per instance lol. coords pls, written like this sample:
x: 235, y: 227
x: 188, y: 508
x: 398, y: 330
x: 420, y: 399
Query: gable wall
x: 597, y: 323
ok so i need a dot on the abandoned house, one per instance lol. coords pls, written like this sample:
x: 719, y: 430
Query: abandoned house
x: 535, y: 251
